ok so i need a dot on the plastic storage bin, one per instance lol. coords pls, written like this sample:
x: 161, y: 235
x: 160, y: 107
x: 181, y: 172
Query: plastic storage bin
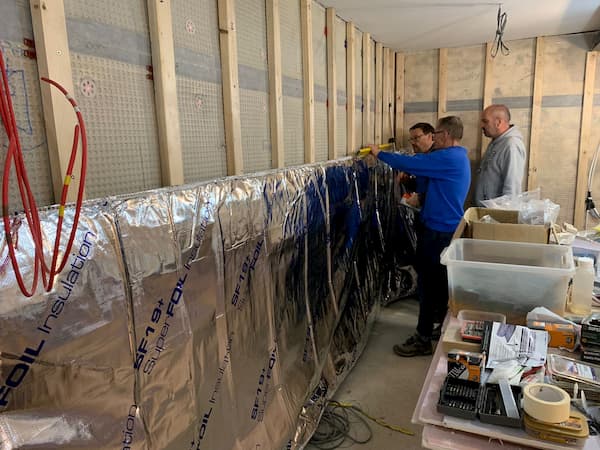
x: 510, y: 278
x: 467, y: 314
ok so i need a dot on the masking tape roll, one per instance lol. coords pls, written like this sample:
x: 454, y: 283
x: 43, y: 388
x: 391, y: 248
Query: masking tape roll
x: 546, y: 403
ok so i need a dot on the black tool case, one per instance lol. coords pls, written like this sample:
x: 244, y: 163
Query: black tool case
x: 458, y: 398
x: 470, y: 400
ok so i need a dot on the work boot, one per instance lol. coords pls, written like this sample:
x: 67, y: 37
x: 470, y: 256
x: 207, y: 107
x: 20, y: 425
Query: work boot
x: 414, y: 346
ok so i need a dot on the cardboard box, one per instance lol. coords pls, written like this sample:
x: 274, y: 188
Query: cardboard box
x: 465, y: 365
x: 507, y: 230
x: 562, y: 335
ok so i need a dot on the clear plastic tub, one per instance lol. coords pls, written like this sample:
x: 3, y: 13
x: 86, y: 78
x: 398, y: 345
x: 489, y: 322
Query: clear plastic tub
x: 509, y: 278
x: 469, y: 314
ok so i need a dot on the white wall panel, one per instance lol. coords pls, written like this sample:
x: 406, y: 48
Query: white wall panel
x: 291, y: 67
x: 110, y: 52
x: 253, y: 76
x: 121, y: 125
x: 199, y: 89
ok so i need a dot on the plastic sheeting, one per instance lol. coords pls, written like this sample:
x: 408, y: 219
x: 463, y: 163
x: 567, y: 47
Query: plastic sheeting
x: 221, y: 315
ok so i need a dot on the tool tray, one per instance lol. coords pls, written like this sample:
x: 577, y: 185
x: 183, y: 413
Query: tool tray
x: 458, y: 398
x: 470, y: 400
x: 491, y: 406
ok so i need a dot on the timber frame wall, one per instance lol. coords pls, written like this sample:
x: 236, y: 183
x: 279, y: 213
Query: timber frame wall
x: 551, y: 86
x: 52, y: 45
x: 550, y: 83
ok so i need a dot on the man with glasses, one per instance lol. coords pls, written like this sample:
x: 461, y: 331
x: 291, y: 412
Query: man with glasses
x: 421, y: 137
x: 448, y: 171
x: 421, y: 140
x: 503, y: 165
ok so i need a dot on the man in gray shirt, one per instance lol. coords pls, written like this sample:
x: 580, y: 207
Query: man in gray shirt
x: 503, y: 165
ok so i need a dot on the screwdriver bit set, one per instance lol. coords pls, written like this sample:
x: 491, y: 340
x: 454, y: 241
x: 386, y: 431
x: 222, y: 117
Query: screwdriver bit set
x: 470, y: 400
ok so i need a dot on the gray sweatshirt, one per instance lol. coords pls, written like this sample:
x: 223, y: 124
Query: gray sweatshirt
x: 502, y: 167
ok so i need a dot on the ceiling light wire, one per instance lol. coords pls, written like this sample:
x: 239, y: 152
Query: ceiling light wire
x: 499, y: 44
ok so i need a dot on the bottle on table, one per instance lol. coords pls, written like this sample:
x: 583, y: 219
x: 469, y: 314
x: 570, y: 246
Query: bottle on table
x: 583, y: 286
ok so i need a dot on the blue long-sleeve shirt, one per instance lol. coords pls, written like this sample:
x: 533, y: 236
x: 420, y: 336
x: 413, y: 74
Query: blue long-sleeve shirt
x: 449, y: 175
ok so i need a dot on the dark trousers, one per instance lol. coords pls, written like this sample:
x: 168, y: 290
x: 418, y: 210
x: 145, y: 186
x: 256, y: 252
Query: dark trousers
x: 432, y: 284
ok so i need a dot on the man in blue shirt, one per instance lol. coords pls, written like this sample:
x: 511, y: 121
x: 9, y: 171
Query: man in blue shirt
x: 448, y: 171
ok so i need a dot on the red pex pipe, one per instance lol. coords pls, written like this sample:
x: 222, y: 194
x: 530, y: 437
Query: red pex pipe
x: 14, y: 153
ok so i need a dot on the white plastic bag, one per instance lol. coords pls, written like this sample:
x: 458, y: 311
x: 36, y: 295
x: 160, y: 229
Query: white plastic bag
x: 532, y: 209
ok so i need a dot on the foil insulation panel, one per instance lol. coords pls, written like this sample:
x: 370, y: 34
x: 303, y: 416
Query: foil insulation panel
x: 220, y: 315
x: 65, y: 364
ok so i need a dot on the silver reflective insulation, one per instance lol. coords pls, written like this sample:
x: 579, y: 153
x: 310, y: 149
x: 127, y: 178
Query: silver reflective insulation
x: 221, y: 315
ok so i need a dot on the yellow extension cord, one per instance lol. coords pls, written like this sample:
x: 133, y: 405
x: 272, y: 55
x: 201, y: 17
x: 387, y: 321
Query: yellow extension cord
x: 380, y: 422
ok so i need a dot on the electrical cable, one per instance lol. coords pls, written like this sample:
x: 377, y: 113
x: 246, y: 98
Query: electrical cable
x: 380, y: 422
x: 499, y: 44
x: 334, y: 429
x: 335, y: 425
x: 15, y: 154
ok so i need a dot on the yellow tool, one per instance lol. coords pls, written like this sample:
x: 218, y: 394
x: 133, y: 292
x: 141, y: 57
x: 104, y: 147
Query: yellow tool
x: 361, y: 153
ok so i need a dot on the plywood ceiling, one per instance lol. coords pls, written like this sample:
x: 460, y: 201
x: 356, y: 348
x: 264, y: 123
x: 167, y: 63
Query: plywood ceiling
x: 424, y: 24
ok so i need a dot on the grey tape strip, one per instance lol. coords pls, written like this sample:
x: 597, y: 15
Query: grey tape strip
x: 358, y: 102
x: 522, y: 102
x: 514, y: 102
x: 559, y: 101
x: 548, y: 101
x: 197, y: 66
x: 292, y: 87
x: 420, y: 107
x: 253, y: 79
x: 105, y: 41
x: 464, y: 105
x: 320, y: 94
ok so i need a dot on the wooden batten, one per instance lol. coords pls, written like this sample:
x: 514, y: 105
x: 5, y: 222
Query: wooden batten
x: 308, y: 80
x: 54, y: 62
x: 399, y: 122
x: 585, y: 144
x: 443, y: 82
x: 275, y: 83
x: 350, y: 89
x: 536, y: 114
x: 231, y: 87
x: 378, y: 92
x: 488, y: 81
x: 385, y: 96
x: 331, y: 83
x: 367, y: 131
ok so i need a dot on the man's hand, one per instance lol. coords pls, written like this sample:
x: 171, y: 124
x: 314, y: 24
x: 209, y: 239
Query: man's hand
x: 374, y: 150
x: 413, y: 200
x: 402, y: 177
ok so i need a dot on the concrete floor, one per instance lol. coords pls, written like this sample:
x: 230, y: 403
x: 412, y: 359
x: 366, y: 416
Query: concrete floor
x: 385, y: 385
